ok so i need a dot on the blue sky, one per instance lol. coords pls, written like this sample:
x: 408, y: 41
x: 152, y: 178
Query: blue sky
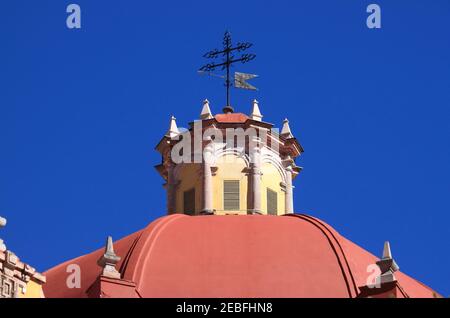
x: 81, y: 112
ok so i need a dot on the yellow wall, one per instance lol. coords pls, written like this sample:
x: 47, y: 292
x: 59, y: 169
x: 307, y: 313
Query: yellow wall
x: 271, y: 179
x: 190, y: 177
x: 230, y: 167
x: 33, y: 290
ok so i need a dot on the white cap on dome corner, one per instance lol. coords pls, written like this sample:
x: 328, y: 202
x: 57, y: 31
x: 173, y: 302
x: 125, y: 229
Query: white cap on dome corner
x: 387, y: 251
x: 2, y: 222
x: 286, y: 130
x: 2, y: 244
x: 173, y: 128
x: 206, y: 111
x: 256, y: 113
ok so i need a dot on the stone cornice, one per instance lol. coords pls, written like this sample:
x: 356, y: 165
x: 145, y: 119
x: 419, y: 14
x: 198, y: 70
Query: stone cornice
x: 11, y: 266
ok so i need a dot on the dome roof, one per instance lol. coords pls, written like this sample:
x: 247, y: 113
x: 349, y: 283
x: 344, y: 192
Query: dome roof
x: 233, y: 256
x: 231, y: 118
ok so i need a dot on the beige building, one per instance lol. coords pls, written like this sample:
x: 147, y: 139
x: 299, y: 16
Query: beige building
x: 17, y: 279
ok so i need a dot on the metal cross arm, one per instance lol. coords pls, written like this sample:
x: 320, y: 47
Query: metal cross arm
x: 215, y: 53
x: 244, y: 59
x: 227, y: 53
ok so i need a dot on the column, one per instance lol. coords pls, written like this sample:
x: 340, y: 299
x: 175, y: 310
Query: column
x: 207, y: 182
x: 207, y: 189
x: 171, y: 189
x: 289, y: 199
x: 255, y: 173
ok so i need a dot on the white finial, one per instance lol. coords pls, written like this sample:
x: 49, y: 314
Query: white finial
x: 2, y: 222
x: 173, y: 128
x: 256, y: 113
x: 387, y: 250
x: 286, y: 130
x: 2, y: 244
x: 387, y: 255
x: 387, y: 265
x: 206, y: 111
x: 109, y: 260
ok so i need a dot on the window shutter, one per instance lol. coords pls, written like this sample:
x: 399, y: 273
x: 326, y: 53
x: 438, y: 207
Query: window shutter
x: 189, y: 202
x: 272, y: 202
x: 231, y: 195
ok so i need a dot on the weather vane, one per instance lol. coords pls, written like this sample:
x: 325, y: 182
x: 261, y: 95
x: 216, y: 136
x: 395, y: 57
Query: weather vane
x: 228, y: 54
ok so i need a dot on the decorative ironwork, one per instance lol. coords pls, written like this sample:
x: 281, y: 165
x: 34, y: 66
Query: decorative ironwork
x: 229, y: 58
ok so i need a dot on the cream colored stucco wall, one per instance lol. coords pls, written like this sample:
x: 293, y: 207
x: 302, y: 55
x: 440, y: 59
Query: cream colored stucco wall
x: 33, y: 290
x: 190, y: 177
x: 271, y: 179
x: 230, y: 167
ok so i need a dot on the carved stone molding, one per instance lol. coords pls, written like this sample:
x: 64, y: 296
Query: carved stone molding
x: 14, y: 275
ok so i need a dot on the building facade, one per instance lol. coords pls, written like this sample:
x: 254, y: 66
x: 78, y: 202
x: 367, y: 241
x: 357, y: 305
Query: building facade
x: 17, y: 279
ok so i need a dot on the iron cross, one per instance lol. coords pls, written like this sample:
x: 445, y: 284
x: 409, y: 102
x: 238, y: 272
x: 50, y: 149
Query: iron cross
x: 228, y: 59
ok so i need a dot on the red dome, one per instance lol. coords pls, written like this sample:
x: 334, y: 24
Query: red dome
x: 231, y: 256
